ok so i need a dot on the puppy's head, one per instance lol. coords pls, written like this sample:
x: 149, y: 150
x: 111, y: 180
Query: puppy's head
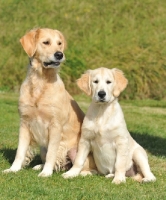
x: 46, y: 45
x: 103, y: 84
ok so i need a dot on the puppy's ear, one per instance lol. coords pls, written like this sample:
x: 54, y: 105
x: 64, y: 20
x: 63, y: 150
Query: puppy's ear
x: 84, y: 83
x: 120, y: 82
x: 28, y: 42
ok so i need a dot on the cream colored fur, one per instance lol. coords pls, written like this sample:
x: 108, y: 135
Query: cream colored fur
x: 49, y: 117
x: 104, y: 130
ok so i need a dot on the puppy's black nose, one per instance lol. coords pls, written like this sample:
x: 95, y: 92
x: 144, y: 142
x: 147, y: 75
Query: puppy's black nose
x: 101, y: 94
x: 58, y: 55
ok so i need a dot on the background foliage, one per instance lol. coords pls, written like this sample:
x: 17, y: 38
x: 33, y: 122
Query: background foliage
x: 126, y: 34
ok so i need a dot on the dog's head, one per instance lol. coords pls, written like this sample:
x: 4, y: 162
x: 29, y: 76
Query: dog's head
x: 46, y: 45
x: 103, y: 84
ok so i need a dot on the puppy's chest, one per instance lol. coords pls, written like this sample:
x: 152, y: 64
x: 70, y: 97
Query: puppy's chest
x: 99, y: 128
x: 102, y: 141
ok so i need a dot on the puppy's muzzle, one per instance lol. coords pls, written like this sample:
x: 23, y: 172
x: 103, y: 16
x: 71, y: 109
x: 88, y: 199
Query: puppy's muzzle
x: 102, y: 95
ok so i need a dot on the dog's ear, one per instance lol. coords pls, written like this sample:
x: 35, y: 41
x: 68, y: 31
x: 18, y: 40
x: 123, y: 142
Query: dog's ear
x: 28, y: 41
x: 63, y: 39
x: 84, y: 82
x: 120, y: 82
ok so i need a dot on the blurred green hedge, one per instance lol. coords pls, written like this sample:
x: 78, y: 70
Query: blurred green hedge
x: 127, y: 34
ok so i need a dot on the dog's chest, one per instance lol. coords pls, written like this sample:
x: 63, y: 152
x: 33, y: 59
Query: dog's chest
x: 40, y: 109
x: 39, y: 130
x: 44, y: 104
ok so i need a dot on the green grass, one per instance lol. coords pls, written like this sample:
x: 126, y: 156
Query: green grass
x: 126, y: 34
x: 146, y: 122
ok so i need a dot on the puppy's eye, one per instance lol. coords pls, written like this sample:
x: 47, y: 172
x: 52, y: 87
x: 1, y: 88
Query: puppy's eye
x: 108, y: 82
x: 59, y: 43
x: 46, y: 42
x: 96, y: 81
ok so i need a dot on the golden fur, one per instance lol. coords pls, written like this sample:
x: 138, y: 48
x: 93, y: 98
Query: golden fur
x: 104, y: 131
x: 49, y: 116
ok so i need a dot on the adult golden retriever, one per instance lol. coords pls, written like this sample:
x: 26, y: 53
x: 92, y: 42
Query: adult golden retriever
x: 104, y: 131
x: 49, y: 116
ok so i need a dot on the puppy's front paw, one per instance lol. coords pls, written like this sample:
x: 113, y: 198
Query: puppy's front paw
x: 69, y: 174
x: 45, y: 173
x: 38, y: 167
x: 151, y: 178
x: 86, y: 173
x: 110, y: 175
x: 118, y: 180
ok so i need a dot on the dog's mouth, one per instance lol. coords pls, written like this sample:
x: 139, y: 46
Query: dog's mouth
x: 101, y: 101
x: 51, y: 64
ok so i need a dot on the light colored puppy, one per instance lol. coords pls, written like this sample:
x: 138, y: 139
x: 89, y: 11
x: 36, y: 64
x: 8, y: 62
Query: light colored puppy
x: 49, y: 116
x: 104, y: 130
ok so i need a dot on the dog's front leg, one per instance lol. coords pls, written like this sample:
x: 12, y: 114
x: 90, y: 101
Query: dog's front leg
x: 24, y: 141
x: 54, y: 139
x: 122, y: 150
x: 83, y: 151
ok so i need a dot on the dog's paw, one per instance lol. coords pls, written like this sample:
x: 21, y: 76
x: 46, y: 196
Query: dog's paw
x: 14, y: 170
x: 110, y: 175
x: 7, y: 171
x: 38, y: 167
x: 118, y: 180
x: 45, y: 173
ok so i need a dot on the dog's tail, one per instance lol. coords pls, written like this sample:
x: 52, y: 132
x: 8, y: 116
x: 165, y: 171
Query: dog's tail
x: 30, y: 154
x: 63, y: 162
x: 138, y: 177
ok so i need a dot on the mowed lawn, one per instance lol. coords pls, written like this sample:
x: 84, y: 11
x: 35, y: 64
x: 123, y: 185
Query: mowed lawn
x: 146, y: 120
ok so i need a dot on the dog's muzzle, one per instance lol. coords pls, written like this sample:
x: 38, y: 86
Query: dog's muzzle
x: 52, y: 64
x: 58, y: 55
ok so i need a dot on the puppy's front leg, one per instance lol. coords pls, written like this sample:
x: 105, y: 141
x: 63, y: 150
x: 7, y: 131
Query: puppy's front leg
x: 122, y: 150
x: 83, y: 151
x: 54, y: 139
x: 24, y: 141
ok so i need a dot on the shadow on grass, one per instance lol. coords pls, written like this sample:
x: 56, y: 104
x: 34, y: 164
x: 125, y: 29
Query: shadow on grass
x: 9, y: 155
x: 153, y: 144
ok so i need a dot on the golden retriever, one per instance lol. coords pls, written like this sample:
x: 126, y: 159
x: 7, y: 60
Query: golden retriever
x: 104, y: 131
x: 49, y: 116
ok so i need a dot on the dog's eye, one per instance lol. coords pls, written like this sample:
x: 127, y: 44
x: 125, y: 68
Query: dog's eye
x: 59, y: 43
x: 96, y: 81
x: 46, y: 42
x: 108, y: 82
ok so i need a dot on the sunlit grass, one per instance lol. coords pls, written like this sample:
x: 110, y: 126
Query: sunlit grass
x: 147, y: 126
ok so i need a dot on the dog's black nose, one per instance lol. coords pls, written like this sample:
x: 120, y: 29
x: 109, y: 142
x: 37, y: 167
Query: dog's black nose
x: 101, y: 94
x: 58, y: 55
